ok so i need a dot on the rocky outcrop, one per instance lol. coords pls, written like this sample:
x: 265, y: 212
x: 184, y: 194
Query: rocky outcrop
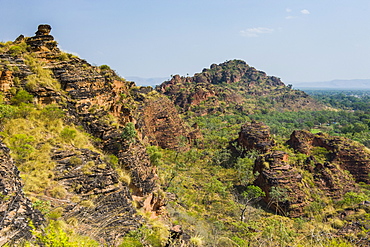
x: 348, y: 154
x: 16, y: 212
x: 291, y: 183
x: 89, y: 189
x: 234, y: 85
x: 42, y: 41
x: 291, y: 186
x: 255, y: 136
x: 94, y: 195
x: 6, y: 80
x: 277, y: 175
x: 160, y: 123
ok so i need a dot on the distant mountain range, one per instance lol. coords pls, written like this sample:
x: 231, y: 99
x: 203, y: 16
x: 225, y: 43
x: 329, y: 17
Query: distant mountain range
x: 334, y: 84
x: 140, y: 81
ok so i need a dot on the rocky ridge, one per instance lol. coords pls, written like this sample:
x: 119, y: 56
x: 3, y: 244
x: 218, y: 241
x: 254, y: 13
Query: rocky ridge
x: 96, y: 98
x: 236, y: 86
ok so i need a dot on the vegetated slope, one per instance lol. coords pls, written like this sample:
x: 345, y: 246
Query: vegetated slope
x: 88, y: 180
x: 234, y: 86
x: 294, y: 183
x: 106, y: 162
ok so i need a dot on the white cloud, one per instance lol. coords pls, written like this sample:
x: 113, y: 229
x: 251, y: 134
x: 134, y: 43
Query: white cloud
x: 288, y: 10
x: 290, y: 17
x: 256, y: 31
x: 305, y: 12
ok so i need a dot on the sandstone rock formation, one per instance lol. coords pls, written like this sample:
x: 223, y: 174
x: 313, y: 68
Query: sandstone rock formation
x: 235, y: 85
x: 16, y: 212
x: 351, y: 156
x: 6, y: 80
x: 255, y: 135
x: 94, y: 195
x: 97, y: 99
x: 291, y: 183
x: 43, y: 41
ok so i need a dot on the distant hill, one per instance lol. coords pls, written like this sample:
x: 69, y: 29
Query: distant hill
x: 334, y: 84
x: 234, y: 86
x: 140, y: 81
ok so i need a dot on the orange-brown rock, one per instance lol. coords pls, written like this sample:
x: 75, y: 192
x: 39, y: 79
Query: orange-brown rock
x: 349, y: 154
x: 276, y: 170
x: 6, y: 80
x: 43, y: 41
x: 235, y: 85
x: 160, y: 122
x: 255, y: 136
x: 102, y: 103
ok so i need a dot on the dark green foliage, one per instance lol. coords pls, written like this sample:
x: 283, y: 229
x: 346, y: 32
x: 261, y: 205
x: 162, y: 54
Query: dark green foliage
x: 129, y: 133
x: 343, y: 99
x: 104, y: 67
x: 42, y: 206
x: 252, y: 192
x: 352, y: 198
x: 22, y: 96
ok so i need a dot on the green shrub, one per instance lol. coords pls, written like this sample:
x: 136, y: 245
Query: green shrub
x: 104, y: 67
x: 68, y: 134
x: 129, y: 133
x: 6, y: 111
x: 75, y: 161
x: 16, y: 50
x: 352, y: 198
x: 112, y: 160
x: 63, y: 56
x: 58, y: 192
x: 52, y: 112
x: 42, y: 206
x: 21, y: 145
x: 20, y: 97
x: 155, y: 155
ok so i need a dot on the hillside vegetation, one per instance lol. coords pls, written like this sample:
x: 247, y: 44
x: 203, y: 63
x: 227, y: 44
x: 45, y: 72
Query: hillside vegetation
x: 228, y: 157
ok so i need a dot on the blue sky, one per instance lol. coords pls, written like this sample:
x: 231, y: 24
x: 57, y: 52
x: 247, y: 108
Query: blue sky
x: 296, y: 40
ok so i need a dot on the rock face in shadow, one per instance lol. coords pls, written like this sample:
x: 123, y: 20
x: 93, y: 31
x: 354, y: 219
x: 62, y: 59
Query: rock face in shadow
x: 16, y: 212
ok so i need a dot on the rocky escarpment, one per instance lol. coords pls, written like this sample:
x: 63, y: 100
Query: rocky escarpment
x: 90, y: 190
x: 16, y: 211
x: 92, y: 193
x: 291, y: 181
x: 234, y: 86
x: 348, y: 154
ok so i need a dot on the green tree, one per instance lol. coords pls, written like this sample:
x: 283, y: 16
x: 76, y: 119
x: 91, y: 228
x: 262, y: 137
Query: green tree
x: 129, y: 133
x: 277, y: 195
x: 250, y: 195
